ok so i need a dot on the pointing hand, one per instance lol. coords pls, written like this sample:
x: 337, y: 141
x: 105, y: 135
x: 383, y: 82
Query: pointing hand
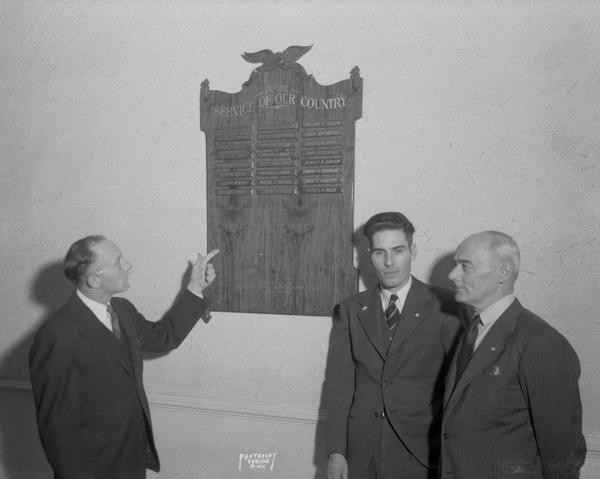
x: 203, y: 272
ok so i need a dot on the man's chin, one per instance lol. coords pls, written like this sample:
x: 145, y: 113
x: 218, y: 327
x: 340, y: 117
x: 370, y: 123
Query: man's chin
x: 393, y: 285
x: 460, y: 296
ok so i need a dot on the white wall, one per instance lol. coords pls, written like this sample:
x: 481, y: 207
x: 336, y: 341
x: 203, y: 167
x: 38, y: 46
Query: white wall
x: 476, y: 115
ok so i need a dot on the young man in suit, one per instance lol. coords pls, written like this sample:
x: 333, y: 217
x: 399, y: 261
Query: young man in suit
x: 389, y: 351
x: 512, y: 406
x: 86, y: 366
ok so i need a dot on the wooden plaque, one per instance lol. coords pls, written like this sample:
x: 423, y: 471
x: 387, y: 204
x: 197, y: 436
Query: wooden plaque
x: 280, y: 181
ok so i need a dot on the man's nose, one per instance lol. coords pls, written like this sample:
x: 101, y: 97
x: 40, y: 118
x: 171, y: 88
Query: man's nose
x: 452, y: 274
x: 388, y: 259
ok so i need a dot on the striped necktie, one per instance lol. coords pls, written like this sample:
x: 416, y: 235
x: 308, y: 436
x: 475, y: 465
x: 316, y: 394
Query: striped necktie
x: 392, y: 315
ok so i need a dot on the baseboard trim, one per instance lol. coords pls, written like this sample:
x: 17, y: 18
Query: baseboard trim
x: 258, y: 411
x: 593, y: 446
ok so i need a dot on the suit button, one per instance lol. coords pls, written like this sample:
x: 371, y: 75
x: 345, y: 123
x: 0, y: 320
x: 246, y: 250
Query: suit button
x: 445, y: 435
x: 376, y: 414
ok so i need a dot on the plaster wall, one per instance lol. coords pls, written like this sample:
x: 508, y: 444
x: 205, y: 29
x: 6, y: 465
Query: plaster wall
x: 476, y: 116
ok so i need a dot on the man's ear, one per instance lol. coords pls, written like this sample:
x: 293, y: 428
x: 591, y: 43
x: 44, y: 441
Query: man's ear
x: 92, y: 281
x: 505, y: 271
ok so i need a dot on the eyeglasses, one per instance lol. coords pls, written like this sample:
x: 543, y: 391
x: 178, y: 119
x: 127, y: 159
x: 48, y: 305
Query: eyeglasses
x: 121, y: 265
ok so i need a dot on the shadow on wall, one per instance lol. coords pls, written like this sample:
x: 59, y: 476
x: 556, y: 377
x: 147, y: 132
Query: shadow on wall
x: 22, y: 456
x: 442, y: 287
x: 320, y: 454
x: 366, y: 271
x: 440, y: 271
x: 50, y: 289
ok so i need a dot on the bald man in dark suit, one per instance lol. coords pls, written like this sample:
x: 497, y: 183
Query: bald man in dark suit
x: 86, y: 366
x: 512, y: 405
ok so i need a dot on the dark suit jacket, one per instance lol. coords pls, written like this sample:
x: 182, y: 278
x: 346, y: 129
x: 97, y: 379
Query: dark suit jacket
x: 515, y: 412
x: 364, y: 378
x: 92, y: 410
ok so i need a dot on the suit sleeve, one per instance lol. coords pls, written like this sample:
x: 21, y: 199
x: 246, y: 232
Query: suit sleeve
x: 340, y: 383
x: 549, y: 373
x: 54, y: 384
x: 169, y: 332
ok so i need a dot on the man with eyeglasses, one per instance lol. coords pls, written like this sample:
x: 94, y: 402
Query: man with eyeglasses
x: 86, y: 365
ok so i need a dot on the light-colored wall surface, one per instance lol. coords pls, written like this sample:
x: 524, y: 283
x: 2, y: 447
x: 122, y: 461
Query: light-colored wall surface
x: 476, y: 116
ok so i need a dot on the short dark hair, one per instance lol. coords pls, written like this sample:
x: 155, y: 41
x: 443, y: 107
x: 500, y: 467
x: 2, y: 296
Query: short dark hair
x: 80, y: 256
x: 390, y: 220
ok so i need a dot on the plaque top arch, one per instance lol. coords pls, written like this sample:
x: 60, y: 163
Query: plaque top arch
x: 280, y: 83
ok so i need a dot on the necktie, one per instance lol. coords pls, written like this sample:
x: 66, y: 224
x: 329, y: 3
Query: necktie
x: 392, y: 315
x: 116, y: 327
x: 468, y: 346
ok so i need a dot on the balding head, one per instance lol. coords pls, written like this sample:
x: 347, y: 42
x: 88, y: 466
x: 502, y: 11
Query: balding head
x: 487, y: 265
x: 503, y: 248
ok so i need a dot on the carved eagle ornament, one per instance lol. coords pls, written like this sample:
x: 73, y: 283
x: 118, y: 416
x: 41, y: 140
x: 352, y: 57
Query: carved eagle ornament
x: 271, y: 60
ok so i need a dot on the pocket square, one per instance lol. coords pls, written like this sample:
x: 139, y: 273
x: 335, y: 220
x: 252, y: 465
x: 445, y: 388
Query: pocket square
x: 494, y: 370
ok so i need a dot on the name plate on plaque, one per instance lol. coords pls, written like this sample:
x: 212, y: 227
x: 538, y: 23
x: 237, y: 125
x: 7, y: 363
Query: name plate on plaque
x: 280, y: 184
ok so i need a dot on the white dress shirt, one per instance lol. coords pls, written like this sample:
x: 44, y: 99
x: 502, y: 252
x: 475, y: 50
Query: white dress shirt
x: 401, y: 293
x: 490, y: 315
x: 98, y: 309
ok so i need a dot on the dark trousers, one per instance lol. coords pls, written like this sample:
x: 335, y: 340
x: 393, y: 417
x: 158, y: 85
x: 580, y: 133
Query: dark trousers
x: 391, y: 459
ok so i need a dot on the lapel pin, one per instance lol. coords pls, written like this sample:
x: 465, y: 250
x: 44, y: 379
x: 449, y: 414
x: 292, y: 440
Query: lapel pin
x: 417, y: 315
x: 364, y: 308
x: 493, y: 348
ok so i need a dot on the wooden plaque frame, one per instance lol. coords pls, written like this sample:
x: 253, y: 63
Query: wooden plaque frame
x: 280, y: 188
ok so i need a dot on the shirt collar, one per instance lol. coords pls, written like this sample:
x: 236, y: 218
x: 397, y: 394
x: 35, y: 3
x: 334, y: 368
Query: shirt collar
x: 494, y: 311
x: 401, y: 293
x: 97, y: 308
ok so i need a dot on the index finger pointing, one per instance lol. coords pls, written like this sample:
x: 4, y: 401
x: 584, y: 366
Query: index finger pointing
x: 210, y: 255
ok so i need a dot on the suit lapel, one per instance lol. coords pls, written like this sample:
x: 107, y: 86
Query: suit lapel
x: 97, y: 334
x: 129, y: 334
x: 370, y: 316
x: 449, y: 385
x: 490, y: 348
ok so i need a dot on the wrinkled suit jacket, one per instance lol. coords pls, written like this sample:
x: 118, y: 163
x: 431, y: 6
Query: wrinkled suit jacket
x: 368, y: 375
x: 515, y: 411
x: 92, y: 411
